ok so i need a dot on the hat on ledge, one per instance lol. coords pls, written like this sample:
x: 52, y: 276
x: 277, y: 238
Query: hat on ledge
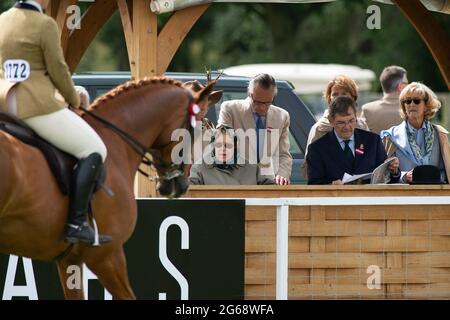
x: 426, y: 174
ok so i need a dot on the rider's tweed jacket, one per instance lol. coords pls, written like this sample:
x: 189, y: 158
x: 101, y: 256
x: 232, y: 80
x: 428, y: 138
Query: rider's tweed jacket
x: 32, y: 36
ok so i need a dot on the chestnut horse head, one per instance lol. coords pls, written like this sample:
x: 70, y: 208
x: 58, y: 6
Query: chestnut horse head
x: 33, y: 211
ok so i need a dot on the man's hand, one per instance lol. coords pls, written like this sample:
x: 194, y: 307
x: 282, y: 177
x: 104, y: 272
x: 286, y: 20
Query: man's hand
x: 282, y: 181
x: 393, y: 166
x: 337, y: 182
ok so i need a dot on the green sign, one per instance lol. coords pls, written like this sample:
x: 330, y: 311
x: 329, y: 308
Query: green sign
x: 180, y: 249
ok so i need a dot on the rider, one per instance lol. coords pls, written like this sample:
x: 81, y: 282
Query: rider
x: 31, y: 56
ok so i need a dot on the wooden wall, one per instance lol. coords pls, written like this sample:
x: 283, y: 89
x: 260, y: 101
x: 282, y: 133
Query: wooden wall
x: 330, y: 248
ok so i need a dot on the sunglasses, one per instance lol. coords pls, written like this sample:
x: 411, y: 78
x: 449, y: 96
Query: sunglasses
x: 220, y: 145
x: 415, y: 100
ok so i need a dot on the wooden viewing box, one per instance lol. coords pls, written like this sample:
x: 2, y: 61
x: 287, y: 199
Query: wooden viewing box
x: 332, y: 247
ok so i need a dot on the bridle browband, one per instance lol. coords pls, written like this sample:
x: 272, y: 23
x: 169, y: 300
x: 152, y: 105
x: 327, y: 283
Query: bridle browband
x: 174, y: 170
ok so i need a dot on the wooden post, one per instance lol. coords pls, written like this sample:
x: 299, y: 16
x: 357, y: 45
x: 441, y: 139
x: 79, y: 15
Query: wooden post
x: 145, y: 38
x: 433, y: 35
x: 144, y: 48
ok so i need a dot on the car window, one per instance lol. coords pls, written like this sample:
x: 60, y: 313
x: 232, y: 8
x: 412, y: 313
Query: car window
x: 229, y: 95
x: 294, y: 148
x: 99, y: 91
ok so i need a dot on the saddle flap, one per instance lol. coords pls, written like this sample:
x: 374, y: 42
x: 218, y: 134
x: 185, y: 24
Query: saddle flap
x: 60, y: 163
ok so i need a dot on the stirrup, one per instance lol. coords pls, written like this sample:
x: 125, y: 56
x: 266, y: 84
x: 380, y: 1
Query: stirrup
x: 84, y: 233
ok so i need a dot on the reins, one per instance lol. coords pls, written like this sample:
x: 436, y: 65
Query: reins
x: 138, y: 147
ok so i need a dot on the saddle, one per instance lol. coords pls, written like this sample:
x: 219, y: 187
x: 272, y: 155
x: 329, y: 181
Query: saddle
x: 61, y: 163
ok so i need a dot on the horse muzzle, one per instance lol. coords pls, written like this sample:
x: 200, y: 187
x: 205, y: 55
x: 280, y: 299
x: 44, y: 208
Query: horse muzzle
x: 173, y: 188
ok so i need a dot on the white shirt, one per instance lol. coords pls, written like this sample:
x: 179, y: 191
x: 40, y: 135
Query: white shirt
x: 351, y: 144
x: 419, y: 135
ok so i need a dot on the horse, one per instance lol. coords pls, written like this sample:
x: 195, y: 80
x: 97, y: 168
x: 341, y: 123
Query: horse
x: 33, y: 210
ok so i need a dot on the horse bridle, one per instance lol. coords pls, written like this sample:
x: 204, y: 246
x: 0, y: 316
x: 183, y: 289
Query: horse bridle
x: 172, y: 170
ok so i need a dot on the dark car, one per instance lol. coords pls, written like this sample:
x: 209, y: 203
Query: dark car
x: 234, y: 88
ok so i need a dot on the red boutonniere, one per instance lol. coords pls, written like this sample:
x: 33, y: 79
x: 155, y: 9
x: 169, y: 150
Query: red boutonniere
x: 360, y: 150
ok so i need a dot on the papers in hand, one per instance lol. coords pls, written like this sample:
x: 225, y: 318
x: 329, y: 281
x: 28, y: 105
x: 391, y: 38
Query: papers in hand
x: 381, y: 174
x: 349, y: 179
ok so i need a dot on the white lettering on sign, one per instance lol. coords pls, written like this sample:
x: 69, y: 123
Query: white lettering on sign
x: 74, y: 279
x: 182, y: 224
x: 16, y: 70
x: 74, y: 18
x: 29, y: 289
x: 374, y: 281
x: 374, y: 20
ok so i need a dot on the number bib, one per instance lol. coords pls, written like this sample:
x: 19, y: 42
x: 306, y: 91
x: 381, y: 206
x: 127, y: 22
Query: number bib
x: 16, y: 70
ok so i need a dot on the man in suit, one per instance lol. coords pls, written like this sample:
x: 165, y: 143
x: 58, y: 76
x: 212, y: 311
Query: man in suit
x: 385, y: 113
x: 33, y: 62
x: 345, y: 149
x: 266, y: 126
x: 341, y: 85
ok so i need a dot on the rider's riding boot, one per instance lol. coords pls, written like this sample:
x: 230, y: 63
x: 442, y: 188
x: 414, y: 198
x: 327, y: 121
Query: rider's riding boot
x: 83, y: 183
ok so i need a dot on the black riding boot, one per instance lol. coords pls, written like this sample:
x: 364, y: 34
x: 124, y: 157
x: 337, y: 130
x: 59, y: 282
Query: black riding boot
x: 83, y: 183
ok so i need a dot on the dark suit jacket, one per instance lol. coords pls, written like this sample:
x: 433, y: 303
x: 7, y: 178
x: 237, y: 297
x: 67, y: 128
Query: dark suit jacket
x: 326, y: 161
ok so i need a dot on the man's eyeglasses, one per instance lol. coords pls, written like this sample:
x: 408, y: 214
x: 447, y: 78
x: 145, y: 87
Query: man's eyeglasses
x: 220, y: 145
x: 342, y: 124
x: 415, y: 100
x: 262, y: 103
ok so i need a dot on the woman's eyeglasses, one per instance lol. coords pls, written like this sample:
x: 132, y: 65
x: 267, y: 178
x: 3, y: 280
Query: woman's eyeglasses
x: 415, y: 100
x: 220, y: 145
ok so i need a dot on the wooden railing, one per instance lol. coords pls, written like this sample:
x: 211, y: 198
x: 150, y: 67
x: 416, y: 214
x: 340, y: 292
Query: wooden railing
x: 333, y: 247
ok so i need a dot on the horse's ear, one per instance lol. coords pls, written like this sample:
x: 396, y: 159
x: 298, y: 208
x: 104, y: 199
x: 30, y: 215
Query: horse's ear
x: 205, y: 92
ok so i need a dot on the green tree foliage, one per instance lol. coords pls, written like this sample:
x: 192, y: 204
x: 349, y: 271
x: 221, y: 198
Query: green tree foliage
x: 6, y: 4
x: 108, y: 51
x: 233, y: 34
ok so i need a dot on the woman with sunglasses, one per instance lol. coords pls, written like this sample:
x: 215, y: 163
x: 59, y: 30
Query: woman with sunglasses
x: 416, y: 141
x: 225, y: 166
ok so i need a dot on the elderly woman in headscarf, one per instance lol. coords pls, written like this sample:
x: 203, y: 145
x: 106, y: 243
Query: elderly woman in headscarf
x: 225, y: 166
x: 416, y: 141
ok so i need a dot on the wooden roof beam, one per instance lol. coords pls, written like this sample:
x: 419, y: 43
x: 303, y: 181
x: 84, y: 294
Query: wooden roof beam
x: 92, y: 21
x: 126, y: 9
x: 173, y: 33
x: 432, y: 33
